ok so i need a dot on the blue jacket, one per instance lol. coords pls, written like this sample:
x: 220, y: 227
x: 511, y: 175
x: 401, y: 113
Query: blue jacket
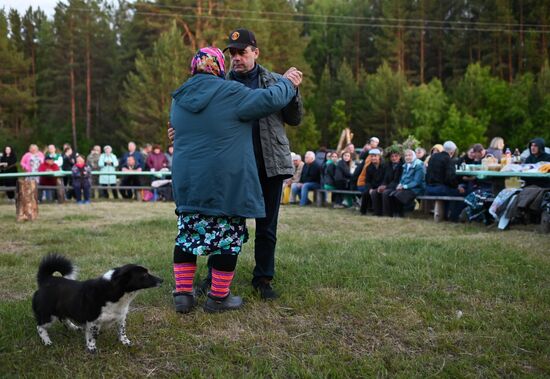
x: 413, y: 178
x: 213, y: 169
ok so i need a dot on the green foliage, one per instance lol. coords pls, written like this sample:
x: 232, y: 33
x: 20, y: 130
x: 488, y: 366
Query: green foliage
x: 411, y: 143
x: 463, y: 129
x: 16, y: 88
x: 425, y: 109
x: 373, y: 55
x: 383, y: 93
x: 304, y: 137
x: 147, y: 101
x: 340, y: 121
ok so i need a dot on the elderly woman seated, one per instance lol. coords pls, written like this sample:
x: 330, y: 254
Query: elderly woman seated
x: 411, y: 185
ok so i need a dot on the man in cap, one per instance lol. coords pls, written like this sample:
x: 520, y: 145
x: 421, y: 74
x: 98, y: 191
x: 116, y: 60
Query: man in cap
x: 271, y: 150
x: 441, y: 179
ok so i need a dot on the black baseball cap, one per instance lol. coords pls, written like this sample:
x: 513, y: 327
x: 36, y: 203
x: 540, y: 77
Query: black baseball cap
x: 240, y: 39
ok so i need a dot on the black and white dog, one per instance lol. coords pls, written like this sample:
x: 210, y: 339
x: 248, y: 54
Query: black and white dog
x: 92, y: 303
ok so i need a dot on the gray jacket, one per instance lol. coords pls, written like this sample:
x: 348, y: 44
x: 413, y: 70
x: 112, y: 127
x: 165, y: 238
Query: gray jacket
x: 275, y: 145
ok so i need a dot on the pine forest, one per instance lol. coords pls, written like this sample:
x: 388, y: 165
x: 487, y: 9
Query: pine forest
x: 101, y: 72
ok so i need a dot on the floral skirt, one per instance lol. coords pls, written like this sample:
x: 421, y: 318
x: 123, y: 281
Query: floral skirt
x: 205, y: 235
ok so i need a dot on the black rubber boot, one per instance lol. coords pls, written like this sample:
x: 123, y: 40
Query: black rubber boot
x: 228, y: 303
x: 184, y: 301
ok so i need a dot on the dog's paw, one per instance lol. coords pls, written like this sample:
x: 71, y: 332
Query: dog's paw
x: 47, y: 343
x: 125, y: 341
x: 92, y: 350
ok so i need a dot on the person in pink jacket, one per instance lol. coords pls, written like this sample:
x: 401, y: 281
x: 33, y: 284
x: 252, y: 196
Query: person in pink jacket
x: 32, y: 160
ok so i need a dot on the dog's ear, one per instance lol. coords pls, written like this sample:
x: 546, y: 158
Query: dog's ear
x: 119, y: 274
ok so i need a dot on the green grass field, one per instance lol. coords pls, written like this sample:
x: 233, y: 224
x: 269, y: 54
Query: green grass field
x: 360, y: 297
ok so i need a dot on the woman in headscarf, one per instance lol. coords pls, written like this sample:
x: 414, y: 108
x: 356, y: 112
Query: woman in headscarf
x: 216, y: 192
x: 411, y: 184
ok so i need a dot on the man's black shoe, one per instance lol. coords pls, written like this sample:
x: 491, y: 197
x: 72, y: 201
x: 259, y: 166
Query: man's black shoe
x: 228, y: 303
x: 266, y: 291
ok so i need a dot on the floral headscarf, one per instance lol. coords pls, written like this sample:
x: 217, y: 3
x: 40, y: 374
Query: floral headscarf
x: 209, y: 60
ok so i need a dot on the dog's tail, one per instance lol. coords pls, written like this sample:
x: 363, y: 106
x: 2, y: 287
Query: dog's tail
x: 52, y: 263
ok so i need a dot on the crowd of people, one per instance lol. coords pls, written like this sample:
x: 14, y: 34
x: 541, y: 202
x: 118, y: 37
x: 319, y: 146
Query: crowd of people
x: 79, y: 183
x: 390, y: 179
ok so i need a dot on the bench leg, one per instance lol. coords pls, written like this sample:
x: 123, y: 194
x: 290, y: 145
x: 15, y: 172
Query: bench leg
x: 439, y: 211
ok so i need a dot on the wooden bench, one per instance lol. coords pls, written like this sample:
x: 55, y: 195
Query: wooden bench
x: 320, y: 192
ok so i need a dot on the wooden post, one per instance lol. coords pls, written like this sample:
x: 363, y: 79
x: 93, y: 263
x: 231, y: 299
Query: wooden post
x: 60, y: 191
x: 439, y: 211
x: 26, y: 204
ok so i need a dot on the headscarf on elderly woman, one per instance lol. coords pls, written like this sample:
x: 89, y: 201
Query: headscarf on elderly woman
x: 214, y: 174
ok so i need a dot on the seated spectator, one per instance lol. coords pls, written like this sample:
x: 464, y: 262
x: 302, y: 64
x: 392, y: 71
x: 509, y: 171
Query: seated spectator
x: 328, y: 171
x: 496, y: 148
x: 145, y: 151
x: 380, y: 196
x: 156, y: 160
x: 474, y: 157
x: 360, y: 172
x: 169, y: 156
x: 441, y: 180
x: 8, y: 165
x: 108, y: 163
x: 130, y: 180
x: 81, y: 174
x: 350, y: 148
x: 93, y: 161
x: 132, y: 152
x: 420, y: 153
x: 321, y: 155
x: 342, y: 178
x: 537, y: 154
x: 309, y: 181
x: 32, y: 159
x: 287, y: 183
x: 437, y: 148
x: 47, y: 166
x: 68, y: 163
x: 374, y: 176
x: 374, y: 142
x: 411, y: 184
x: 57, y: 157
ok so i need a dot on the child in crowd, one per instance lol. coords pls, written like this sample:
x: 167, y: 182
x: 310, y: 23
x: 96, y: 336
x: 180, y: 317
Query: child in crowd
x: 81, y: 174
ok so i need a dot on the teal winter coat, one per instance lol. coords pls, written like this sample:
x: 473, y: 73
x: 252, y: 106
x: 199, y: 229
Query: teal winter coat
x: 214, y: 171
x: 107, y: 164
x: 413, y: 177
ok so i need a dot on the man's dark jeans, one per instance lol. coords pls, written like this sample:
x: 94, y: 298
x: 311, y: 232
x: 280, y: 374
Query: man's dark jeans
x: 266, y: 228
x: 455, y: 207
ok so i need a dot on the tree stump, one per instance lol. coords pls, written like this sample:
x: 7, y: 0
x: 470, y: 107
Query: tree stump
x: 60, y: 191
x: 26, y: 204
